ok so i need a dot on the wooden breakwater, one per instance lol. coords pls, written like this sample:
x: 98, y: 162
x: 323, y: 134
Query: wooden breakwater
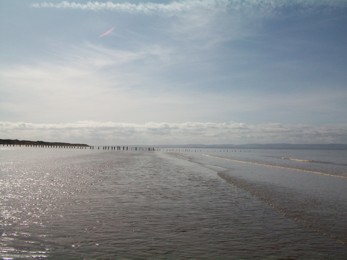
x: 124, y: 148
x: 61, y: 145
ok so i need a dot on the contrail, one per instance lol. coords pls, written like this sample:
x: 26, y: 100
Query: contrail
x: 108, y: 32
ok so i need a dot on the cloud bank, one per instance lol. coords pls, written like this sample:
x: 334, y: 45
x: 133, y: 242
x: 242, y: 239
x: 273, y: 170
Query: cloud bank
x: 152, y: 133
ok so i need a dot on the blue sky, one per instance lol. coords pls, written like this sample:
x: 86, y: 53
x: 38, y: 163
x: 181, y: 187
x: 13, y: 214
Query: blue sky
x: 165, y: 72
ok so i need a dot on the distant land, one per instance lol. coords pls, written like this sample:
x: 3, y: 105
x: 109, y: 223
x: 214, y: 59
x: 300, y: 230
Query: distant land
x: 197, y: 146
x: 264, y: 146
x: 37, y: 143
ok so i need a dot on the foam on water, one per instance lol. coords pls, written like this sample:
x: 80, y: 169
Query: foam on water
x: 291, y: 167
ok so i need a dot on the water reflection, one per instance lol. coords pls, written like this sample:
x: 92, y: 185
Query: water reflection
x: 140, y: 205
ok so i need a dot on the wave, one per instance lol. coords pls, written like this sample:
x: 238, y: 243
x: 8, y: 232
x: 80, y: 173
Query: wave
x: 278, y: 166
x: 297, y: 160
x: 302, y: 209
x: 312, y: 161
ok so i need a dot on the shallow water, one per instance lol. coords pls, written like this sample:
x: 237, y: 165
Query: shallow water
x: 94, y: 204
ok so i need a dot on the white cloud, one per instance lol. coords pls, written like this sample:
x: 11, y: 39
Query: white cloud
x: 89, y: 82
x: 146, y: 8
x: 101, y: 84
x: 93, y: 132
x: 176, y: 7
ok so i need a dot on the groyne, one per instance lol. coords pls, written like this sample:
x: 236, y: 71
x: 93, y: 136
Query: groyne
x: 61, y: 145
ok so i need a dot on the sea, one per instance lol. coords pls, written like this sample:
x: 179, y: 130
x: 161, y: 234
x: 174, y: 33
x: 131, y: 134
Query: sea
x: 172, y: 203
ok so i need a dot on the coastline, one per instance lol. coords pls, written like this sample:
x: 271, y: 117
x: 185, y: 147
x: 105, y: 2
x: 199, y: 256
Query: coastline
x: 10, y: 142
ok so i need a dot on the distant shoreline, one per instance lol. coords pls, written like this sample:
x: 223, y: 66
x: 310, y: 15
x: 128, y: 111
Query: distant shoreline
x: 274, y: 146
x: 38, y: 143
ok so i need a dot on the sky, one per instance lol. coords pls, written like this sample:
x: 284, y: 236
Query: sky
x: 174, y: 72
